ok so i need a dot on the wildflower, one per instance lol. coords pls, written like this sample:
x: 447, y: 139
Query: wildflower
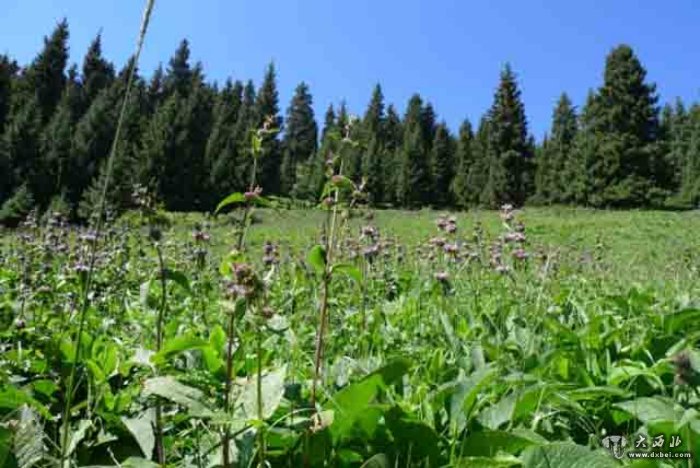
x: 520, y: 254
x: 502, y: 269
x: 267, y: 312
x: 245, y: 282
x: 441, y: 223
x: 369, y: 232
x: 442, y: 276
x: 329, y: 201
x: 371, y: 251
x: 437, y: 241
x: 685, y: 373
x: 451, y: 249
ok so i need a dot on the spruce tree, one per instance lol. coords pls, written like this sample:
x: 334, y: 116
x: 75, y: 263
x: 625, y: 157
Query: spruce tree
x: 21, y: 148
x: 373, y: 147
x: 391, y: 161
x: 443, y: 166
x: 92, y: 140
x: 97, y: 73
x: 300, y: 137
x: 246, y: 122
x: 555, y: 153
x: 8, y: 72
x: 415, y: 186
x: 45, y: 78
x: 222, y: 148
x: 509, y: 151
x: 178, y: 78
x: 267, y: 109
x: 623, y: 124
x: 464, y: 159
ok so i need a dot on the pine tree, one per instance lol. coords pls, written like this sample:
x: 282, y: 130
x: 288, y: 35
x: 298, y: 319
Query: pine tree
x: 155, y: 94
x: 222, y: 148
x: 414, y: 180
x: 428, y: 126
x: 391, y: 162
x: 267, y: 108
x: 8, y: 72
x: 45, y: 77
x: 92, y: 140
x: 97, y: 73
x: 56, y: 147
x: 555, y: 154
x: 20, y: 146
x: 464, y: 159
x: 373, y: 147
x: 443, y: 166
x: 690, y: 173
x: 178, y: 78
x: 123, y: 176
x: 623, y: 125
x: 509, y: 151
x: 300, y: 137
x: 246, y: 122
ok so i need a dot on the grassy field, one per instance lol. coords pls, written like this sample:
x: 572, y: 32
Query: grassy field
x: 479, y: 340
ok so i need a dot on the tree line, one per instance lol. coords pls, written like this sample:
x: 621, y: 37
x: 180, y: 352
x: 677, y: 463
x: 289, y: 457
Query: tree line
x: 188, y: 141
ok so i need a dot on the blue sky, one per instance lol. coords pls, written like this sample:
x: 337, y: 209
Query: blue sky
x: 451, y: 51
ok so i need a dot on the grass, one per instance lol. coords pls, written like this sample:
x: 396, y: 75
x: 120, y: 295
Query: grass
x: 427, y: 361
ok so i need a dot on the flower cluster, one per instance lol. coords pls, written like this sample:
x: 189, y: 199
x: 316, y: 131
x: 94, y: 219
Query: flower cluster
x: 270, y: 254
x: 244, y: 283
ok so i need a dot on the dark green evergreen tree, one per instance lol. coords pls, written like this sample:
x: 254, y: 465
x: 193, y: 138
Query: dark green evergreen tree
x: 373, y: 147
x: 98, y: 73
x: 267, y: 109
x: 300, y: 137
x: 8, y: 73
x: 464, y: 159
x: 555, y: 154
x: 623, y: 123
x: 222, y: 151
x: 509, y: 149
x: 443, y: 166
x: 414, y: 184
x: 45, y: 78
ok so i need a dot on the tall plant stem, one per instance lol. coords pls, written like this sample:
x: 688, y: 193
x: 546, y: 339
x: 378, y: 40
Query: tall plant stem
x: 323, y: 315
x: 226, y: 437
x: 261, y: 415
x: 160, y: 450
x: 85, y: 297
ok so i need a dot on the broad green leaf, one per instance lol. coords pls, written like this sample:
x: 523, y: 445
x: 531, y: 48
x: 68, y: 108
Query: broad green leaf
x: 78, y: 434
x: 496, y: 415
x: 141, y: 428
x: 317, y: 258
x: 500, y: 461
x: 349, y: 270
x: 490, y: 443
x: 12, y: 399
x: 649, y: 410
x: 272, y: 393
x: 178, y: 278
x: 565, y: 454
x: 352, y: 400
x: 233, y: 199
x: 177, y: 345
x: 377, y: 461
x: 170, y: 389
x: 416, y: 436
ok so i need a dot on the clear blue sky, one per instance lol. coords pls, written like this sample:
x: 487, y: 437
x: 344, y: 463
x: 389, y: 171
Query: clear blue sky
x: 450, y: 51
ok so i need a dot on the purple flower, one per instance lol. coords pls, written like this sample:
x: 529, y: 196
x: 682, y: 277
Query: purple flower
x: 442, y: 276
x: 520, y: 254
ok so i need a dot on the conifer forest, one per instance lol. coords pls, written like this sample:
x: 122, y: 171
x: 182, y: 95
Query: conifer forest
x: 196, y: 274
